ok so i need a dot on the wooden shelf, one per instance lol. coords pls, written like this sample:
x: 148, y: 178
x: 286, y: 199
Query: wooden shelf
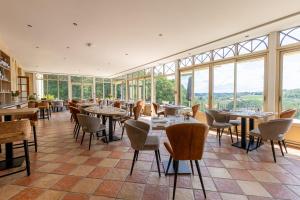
x: 5, y: 84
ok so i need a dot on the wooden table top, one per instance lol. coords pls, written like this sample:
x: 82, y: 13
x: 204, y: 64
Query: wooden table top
x: 245, y: 114
x: 163, y: 123
x: 20, y: 111
x: 86, y: 104
x: 106, y: 110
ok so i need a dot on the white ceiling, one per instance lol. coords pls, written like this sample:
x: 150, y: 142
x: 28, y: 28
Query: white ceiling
x: 119, y: 27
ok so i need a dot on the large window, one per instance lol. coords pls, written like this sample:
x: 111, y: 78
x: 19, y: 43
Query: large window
x: 223, y: 89
x: 186, y: 88
x: 133, y: 90
x: 99, y: 88
x: 107, y: 88
x: 250, y: 84
x: 76, y: 91
x: 63, y: 90
x: 165, y: 87
x: 201, y: 87
x: 290, y: 81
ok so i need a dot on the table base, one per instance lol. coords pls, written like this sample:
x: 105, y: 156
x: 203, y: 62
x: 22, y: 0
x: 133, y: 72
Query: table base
x: 16, y: 162
x: 114, y: 138
x: 183, y: 167
x: 252, y: 146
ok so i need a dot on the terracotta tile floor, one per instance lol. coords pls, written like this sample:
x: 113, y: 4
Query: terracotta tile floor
x: 64, y: 169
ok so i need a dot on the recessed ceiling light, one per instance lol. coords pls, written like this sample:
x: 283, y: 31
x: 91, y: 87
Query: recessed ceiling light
x: 28, y: 25
x: 37, y: 47
x: 68, y: 47
x: 126, y: 54
x: 65, y: 58
x: 160, y: 34
x: 246, y: 36
x: 75, y: 24
x: 189, y: 54
x: 89, y: 44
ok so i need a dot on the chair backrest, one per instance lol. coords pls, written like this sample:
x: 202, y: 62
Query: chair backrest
x: 75, y: 101
x: 13, y: 131
x: 137, y: 110
x: 88, y: 123
x: 32, y: 104
x: 187, y: 140
x: 155, y: 107
x: 170, y: 111
x: 290, y: 113
x: 271, y: 129
x: 72, y: 104
x: 117, y: 104
x: 209, y: 118
x: 195, y: 109
x: 44, y: 104
x: 74, y: 112
x: 219, y: 117
x: 137, y: 132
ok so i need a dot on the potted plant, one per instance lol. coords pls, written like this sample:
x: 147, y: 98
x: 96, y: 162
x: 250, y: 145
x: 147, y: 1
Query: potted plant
x: 15, y: 95
x: 32, y: 97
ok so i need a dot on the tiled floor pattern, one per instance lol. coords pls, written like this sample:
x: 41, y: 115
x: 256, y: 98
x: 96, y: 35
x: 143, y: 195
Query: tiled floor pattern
x: 64, y: 169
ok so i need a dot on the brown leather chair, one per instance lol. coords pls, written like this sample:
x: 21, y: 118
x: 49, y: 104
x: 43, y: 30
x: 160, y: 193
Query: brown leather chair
x: 15, y: 131
x: 195, y: 109
x: 32, y: 104
x: 117, y: 104
x: 157, y: 109
x: 74, y: 112
x: 186, y: 143
x: 290, y: 113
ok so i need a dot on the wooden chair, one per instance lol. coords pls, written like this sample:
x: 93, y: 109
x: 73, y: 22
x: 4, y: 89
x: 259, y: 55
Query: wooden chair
x: 186, y: 143
x: 195, y: 109
x: 16, y: 131
x: 44, y: 107
x: 137, y: 132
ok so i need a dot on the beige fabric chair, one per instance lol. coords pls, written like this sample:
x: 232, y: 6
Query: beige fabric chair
x: 271, y: 130
x: 15, y: 131
x: 137, y: 132
x: 91, y: 125
x: 216, y: 120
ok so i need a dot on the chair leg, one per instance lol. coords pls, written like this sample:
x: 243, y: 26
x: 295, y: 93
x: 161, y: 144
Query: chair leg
x: 191, y: 162
x: 273, y: 150
x: 0, y: 149
x: 34, y: 138
x: 220, y: 137
x: 77, y: 132
x: 137, y: 155
x: 169, y: 163
x: 279, y: 143
x: 157, y: 161
x: 159, y: 155
x: 257, y: 142
x: 91, y: 134
x: 175, y: 162
x: 27, y: 157
x: 123, y: 129
x: 250, y: 140
x: 133, y: 161
x: 237, y: 133
x: 200, y: 176
x: 230, y: 134
x: 283, y: 142
x: 82, y: 137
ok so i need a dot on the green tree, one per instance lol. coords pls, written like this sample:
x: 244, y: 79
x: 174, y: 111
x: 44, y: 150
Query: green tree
x: 165, y: 90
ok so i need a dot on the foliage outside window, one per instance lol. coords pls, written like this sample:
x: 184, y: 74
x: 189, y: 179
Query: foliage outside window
x: 186, y: 88
x: 165, y: 87
x: 201, y: 87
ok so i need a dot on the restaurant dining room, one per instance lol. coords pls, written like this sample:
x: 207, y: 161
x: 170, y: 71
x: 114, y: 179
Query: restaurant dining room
x: 143, y: 100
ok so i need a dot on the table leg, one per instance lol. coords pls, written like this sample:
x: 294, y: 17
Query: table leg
x: 111, y: 136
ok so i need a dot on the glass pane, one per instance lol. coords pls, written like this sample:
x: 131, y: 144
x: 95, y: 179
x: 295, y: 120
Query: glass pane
x: 147, y: 90
x: 87, y: 91
x: 63, y: 90
x: 164, y: 87
x: 63, y: 77
x: 119, y: 91
x: 76, y: 79
x: 99, y: 80
x: 250, y: 84
x: 53, y: 88
x: 158, y: 70
x: 124, y: 90
x: 186, y: 88
x: 201, y: 87
x: 290, y: 36
x: 223, y: 86
x: 76, y: 91
x: 186, y: 62
x: 45, y: 88
x: 133, y: 90
x: 141, y: 89
x: 87, y: 79
x: 52, y: 76
x: 107, y: 90
x: 99, y: 90
x: 290, y: 82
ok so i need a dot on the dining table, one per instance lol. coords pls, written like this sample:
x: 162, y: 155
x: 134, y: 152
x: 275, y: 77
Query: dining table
x: 107, y: 112
x: 86, y: 104
x: 245, y: 116
x: 7, y: 114
x: 161, y: 123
